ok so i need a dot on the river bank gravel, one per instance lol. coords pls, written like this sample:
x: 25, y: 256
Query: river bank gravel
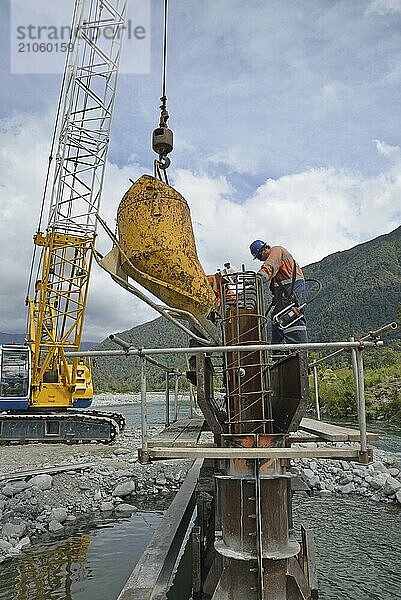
x: 92, y: 479
x: 380, y: 480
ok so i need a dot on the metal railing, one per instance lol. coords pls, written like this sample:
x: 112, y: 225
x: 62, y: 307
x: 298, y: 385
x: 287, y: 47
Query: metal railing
x: 357, y: 369
x: 145, y: 354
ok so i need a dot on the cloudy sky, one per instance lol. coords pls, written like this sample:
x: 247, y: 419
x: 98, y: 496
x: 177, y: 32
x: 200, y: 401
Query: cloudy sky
x: 286, y: 116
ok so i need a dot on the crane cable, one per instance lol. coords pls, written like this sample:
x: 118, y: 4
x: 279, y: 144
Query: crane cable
x: 162, y: 139
x: 164, y: 75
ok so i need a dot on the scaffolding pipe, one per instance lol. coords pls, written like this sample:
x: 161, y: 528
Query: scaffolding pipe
x: 126, y: 346
x: 316, y: 388
x: 144, y: 416
x: 119, y: 341
x: 377, y: 332
x: 213, y: 349
x: 371, y: 335
x: 191, y: 401
x: 154, y: 362
x: 167, y: 408
x: 361, y: 402
x: 355, y: 374
x: 176, y: 398
x: 191, y: 393
x: 324, y: 358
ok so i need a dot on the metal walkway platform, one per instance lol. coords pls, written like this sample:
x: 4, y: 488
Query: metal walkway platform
x: 181, y: 440
x: 179, y: 434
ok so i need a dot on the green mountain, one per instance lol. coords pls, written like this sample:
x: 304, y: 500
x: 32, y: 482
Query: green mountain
x: 122, y: 373
x: 361, y: 291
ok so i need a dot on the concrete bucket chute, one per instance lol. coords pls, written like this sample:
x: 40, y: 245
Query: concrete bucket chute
x: 158, y: 248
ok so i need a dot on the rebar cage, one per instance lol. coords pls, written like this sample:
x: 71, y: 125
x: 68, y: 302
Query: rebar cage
x: 247, y: 379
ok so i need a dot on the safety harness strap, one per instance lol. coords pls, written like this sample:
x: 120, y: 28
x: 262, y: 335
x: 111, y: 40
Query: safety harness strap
x: 281, y: 286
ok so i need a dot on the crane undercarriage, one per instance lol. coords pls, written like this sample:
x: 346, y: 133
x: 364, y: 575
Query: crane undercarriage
x: 71, y: 426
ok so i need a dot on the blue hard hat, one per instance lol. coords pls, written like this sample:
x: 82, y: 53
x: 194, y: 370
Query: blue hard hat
x: 256, y: 247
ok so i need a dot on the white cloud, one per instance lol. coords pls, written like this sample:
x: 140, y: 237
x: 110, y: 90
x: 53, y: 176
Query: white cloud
x: 24, y: 151
x: 23, y: 162
x: 313, y: 213
x: 393, y: 152
x: 384, y: 7
x: 238, y: 159
x: 334, y: 96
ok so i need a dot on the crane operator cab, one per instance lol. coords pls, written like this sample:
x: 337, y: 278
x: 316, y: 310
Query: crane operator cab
x: 14, y: 376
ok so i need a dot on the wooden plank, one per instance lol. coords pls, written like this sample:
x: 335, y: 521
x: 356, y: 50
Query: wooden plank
x: 252, y: 453
x: 169, y: 434
x: 22, y: 474
x: 326, y: 431
x: 354, y: 435
x: 334, y: 433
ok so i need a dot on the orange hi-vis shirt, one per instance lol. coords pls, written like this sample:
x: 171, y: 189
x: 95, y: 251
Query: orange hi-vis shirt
x: 217, y: 282
x: 279, y: 264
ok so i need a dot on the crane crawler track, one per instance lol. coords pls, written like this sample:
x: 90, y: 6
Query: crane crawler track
x: 117, y: 417
x: 72, y: 426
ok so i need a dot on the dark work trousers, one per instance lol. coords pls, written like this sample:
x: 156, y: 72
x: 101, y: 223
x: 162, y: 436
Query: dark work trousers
x: 295, y: 334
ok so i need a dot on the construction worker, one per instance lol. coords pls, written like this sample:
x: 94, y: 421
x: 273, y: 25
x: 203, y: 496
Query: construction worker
x: 287, y: 285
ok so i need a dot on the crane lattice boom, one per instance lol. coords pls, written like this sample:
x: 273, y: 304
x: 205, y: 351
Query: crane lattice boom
x: 83, y: 130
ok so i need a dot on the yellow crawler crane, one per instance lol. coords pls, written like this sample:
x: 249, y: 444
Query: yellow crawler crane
x: 40, y: 388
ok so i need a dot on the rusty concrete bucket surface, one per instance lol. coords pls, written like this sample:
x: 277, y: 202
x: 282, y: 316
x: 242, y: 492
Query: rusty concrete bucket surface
x: 156, y: 235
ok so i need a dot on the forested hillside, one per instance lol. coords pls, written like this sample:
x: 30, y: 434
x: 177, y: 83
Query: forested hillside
x: 361, y: 289
x: 122, y: 373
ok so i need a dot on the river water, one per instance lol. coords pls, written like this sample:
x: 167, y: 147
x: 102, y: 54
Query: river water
x: 357, y: 540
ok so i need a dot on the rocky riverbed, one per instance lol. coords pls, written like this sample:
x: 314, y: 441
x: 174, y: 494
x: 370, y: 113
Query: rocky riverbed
x: 98, y: 479
x: 380, y: 480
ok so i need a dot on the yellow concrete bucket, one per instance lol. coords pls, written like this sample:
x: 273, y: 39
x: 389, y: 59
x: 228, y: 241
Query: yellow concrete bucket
x: 156, y: 235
